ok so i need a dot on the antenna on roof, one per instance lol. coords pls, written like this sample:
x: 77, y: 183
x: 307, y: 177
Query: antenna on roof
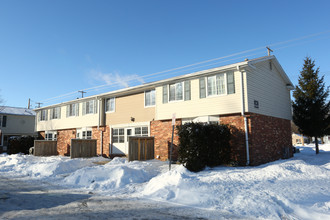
x: 82, y: 93
x: 39, y: 104
x: 269, y: 50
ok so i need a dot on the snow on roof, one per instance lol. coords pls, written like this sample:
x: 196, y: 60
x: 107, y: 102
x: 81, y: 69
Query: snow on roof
x: 16, y: 111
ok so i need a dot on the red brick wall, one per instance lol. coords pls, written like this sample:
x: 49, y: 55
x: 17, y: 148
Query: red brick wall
x: 162, y: 131
x: 269, y: 138
x: 64, y: 141
x: 236, y: 123
x: 96, y: 134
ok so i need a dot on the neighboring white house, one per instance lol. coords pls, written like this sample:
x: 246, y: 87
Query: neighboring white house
x: 15, y: 122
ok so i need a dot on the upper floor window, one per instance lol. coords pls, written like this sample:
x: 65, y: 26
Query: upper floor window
x: 43, y: 115
x: 110, y: 105
x: 149, y: 98
x: 176, y: 92
x: 72, y: 110
x: 220, y: 84
x: 55, y: 113
x: 89, y: 107
x: 3, y: 121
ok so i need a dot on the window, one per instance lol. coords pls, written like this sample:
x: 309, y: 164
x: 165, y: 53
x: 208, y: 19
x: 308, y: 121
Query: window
x: 118, y: 135
x: 43, y: 115
x: 177, y: 91
x: 72, y: 110
x: 141, y: 131
x: 89, y: 107
x: 220, y: 84
x: 110, y: 105
x: 84, y: 133
x: 216, y: 85
x: 3, y: 121
x: 149, y: 98
x: 51, y: 135
x: 55, y: 113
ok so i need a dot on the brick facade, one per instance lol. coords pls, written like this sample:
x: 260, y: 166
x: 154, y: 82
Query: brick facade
x: 162, y: 131
x: 64, y: 141
x: 96, y: 134
x: 269, y: 138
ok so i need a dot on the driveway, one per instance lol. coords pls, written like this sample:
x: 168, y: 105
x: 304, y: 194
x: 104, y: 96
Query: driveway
x: 20, y: 199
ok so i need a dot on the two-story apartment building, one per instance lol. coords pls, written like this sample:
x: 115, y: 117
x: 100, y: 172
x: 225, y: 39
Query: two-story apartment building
x: 16, y: 122
x: 252, y: 96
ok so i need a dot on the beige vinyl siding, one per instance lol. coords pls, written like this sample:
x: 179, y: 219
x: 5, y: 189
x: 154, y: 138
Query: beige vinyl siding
x: 130, y: 106
x: 64, y: 122
x: 215, y: 105
x: 269, y: 89
x: 19, y: 124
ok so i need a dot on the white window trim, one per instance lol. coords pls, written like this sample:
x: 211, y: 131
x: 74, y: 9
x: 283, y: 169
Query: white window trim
x: 207, y: 88
x: 149, y: 106
x: 77, y: 109
x: 81, y: 130
x: 58, y: 116
x: 54, y: 133
x: 114, y: 105
x: 46, y: 115
x: 168, y: 92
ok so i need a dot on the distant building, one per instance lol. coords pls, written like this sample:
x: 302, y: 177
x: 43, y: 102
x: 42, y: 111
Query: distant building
x: 15, y: 122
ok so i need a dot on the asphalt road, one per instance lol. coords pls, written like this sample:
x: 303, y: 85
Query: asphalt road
x: 21, y: 199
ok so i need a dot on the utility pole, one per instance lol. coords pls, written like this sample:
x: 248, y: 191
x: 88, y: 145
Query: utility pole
x: 82, y: 93
x: 39, y: 104
x: 29, y: 103
x: 269, y: 50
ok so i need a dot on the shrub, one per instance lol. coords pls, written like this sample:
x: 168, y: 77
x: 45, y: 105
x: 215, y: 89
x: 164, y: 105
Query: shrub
x: 20, y: 144
x: 203, y: 145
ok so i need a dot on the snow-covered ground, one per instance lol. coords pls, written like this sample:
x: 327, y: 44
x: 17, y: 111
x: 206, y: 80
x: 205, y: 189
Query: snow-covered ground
x: 297, y: 188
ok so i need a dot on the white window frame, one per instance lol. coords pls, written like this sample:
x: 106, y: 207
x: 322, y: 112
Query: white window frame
x: 175, y: 92
x: 149, y: 94
x: 215, y: 84
x: 142, y: 131
x: 89, y: 107
x: 55, y: 113
x: 106, y: 105
x: 73, y: 109
x: 118, y: 134
x: 43, y: 115
x: 53, y: 135
x: 82, y: 133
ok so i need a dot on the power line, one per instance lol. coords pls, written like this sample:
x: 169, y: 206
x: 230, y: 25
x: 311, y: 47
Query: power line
x: 168, y: 72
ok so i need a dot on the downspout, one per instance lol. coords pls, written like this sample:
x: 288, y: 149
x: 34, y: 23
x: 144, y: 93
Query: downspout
x: 245, y: 119
x: 98, y: 126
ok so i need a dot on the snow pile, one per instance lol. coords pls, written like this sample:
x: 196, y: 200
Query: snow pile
x: 114, y: 175
x: 42, y: 167
x: 297, y: 188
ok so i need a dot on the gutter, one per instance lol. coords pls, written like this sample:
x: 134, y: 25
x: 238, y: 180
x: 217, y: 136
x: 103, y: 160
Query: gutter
x: 245, y: 118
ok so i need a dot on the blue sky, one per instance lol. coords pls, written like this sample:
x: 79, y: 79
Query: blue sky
x: 50, y: 48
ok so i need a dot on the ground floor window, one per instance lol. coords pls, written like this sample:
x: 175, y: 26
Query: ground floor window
x: 118, y: 135
x: 51, y: 135
x: 141, y: 131
x: 84, y: 133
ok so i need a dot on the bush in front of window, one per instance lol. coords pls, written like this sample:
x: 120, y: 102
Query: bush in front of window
x: 203, y: 145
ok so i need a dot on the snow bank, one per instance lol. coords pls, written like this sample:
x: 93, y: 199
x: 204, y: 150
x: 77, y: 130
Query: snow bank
x: 42, y: 167
x: 117, y: 174
x: 297, y: 188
